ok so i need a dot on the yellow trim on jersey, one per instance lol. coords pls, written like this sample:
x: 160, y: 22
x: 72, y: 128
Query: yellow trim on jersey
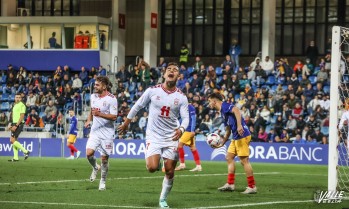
x: 240, y: 147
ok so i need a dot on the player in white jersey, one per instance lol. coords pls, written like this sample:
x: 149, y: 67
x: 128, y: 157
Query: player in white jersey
x: 166, y: 105
x: 345, y: 119
x: 104, y: 111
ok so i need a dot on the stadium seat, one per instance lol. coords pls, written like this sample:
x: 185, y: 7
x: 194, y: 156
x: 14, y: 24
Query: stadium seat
x: 42, y: 114
x: 326, y: 89
x: 11, y: 97
x: 5, y: 106
x: 274, y: 87
x: 316, y: 70
x: 44, y: 79
x: 87, y: 97
x: 346, y: 78
x: 312, y: 79
x: 236, y: 97
x: 190, y: 70
x: 300, y: 78
x: 325, y: 130
x: 140, y: 135
x: 270, y: 80
x: 4, y: 98
x: 3, y: 79
x: 219, y: 71
x: 284, y: 87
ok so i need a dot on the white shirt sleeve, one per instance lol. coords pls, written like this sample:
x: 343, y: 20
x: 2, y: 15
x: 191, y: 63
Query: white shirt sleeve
x: 141, y: 103
x: 184, y: 113
x: 344, y: 117
x: 113, y: 109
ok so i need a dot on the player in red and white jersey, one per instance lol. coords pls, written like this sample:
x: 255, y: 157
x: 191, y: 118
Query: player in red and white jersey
x: 345, y: 119
x: 166, y: 105
x: 104, y: 111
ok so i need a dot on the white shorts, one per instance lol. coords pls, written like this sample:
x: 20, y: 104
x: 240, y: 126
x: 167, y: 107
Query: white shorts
x: 168, y: 152
x: 103, y: 146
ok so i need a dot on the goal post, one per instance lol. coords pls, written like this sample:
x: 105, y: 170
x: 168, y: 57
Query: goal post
x: 334, y: 100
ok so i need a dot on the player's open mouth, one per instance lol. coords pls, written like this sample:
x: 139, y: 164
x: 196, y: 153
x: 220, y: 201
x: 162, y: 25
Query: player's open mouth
x: 170, y: 75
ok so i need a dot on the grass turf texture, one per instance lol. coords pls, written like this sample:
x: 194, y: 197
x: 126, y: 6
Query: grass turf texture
x: 60, y: 183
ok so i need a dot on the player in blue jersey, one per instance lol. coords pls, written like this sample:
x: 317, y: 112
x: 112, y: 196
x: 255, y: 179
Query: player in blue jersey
x: 73, y: 132
x: 239, y: 146
x: 188, y: 139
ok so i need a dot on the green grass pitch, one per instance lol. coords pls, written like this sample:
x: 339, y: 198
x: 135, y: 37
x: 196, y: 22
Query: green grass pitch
x: 59, y: 183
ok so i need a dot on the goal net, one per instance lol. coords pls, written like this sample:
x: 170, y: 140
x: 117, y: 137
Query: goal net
x: 338, y: 156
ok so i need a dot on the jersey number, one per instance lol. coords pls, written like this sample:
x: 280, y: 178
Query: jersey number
x: 165, y: 111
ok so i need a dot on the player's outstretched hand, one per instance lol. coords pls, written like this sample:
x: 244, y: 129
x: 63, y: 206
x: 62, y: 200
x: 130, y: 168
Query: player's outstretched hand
x: 178, y: 134
x: 122, y: 129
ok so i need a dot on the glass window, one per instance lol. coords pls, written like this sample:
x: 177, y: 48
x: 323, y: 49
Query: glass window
x: 235, y: 16
x: 309, y: 34
x: 255, y: 44
x: 178, y: 39
x: 245, y: 19
x: 219, y: 40
x: 278, y: 39
x: 234, y: 34
x: 310, y: 14
x: 103, y: 38
x: 256, y: 16
x: 167, y: 41
x: 3, y: 37
x: 245, y: 39
x: 16, y: 36
x: 208, y: 40
x: 187, y: 36
x: 219, y: 16
x: 51, y: 36
x: 188, y: 16
x: 199, y: 19
x: 235, y: 4
x: 198, y: 40
x: 168, y: 17
x: 168, y: 4
x: 298, y: 15
x: 299, y: 3
x: 320, y: 37
x: 332, y: 14
x: 278, y: 15
x: 208, y: 16
x: 320, y: 14
x: 179, y: 16
x: 219, y: 4
x: 298, y: 35
x: 287, y: 40
x: 179, y: 4
x: 57, y: 7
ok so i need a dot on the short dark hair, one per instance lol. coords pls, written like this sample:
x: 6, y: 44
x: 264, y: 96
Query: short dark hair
x: 18, y: 93
x: 218, y: 96
x: 105, y: 80
x: 173, y: 63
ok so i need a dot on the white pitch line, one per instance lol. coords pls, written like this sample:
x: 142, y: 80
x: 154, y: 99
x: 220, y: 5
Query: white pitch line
x: 129, y: 178
x: 253, y: 204
x: 125, y: 206
x: 72, y: 204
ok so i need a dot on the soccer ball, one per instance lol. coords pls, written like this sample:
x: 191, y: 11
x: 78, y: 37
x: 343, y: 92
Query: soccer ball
x: 213, y: 139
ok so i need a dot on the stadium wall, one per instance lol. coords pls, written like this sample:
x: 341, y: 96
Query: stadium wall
x: 259, y: 152
x: 45, y: 60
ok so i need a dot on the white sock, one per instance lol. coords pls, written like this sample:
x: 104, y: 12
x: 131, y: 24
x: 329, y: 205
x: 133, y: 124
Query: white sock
x: 166, y: 188
x: 104, y: 170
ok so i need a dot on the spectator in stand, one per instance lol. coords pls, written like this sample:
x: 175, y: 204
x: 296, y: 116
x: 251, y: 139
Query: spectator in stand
x: 293, y: 81
x: 312, y: 123
x: 52, y: 41
x: 265, y: 113
x: 288, y: 69
x: 10, y: 70
x: 299, y: 140
x: 41, y: 101
x: 123, y: 111
x: 134, y: 127
x: 50, y: 107
x: 19, y: 84
x: 311, y: 140
x: 325, y: 103
x: 196, y: 83
x: 51, y: 118
x: 202, y: 72
x: 66, y: 81
x: 319, y: 137
x: 319, y: 113
x: 308, y: 68
x: 243, y: 82
x: 101, y: 71
x: 33, y: 120
x: 322, y: 76
x: 291, y: 125
x: 184, y: 55
x: 92, y: 72
x: 60, y: 101
x: 3, y: 120
x: 77, y: 83
x: 272, y: 136
x: 251, y: 75
x: 162, y: 64
x: 31, y: 102
x: 144, y: 74
x: 197, y: 64
x: 262, y: 135
x: 240, y: 73
x: 297, y: 111
x: 83, y: 75
x: 10, y: 85
x: 297, y: 68
x: 66, y: 71
x: 313, y: 104
x: 181, y: 82
x: 284, y: 137
x: 292, y: 101
x: 312, y: 52
x: 143, y: 122
x: 123, y: 76
x: 22, y: 72
x: 290, y: 90
x: 227, y: 61
x: 234, y: 52
x: 268, y: 66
